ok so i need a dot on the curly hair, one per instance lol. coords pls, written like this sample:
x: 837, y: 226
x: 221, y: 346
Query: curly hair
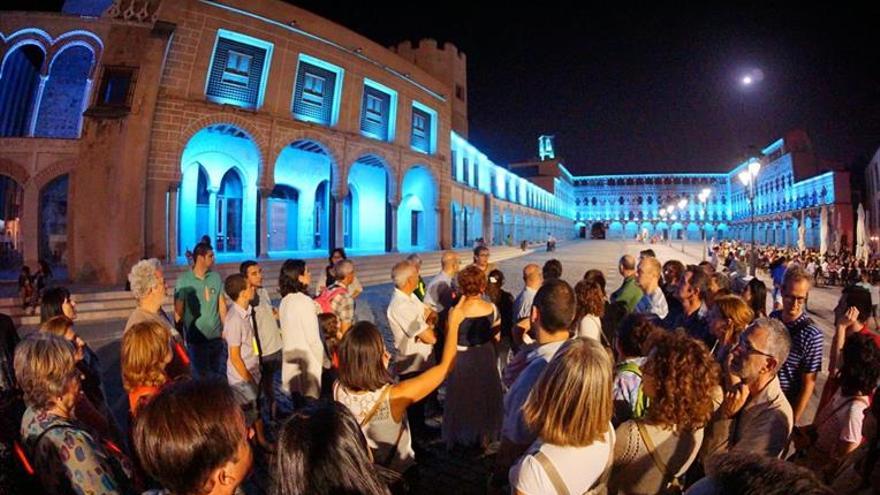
x: 146, y: 351
x: 683, y: 374
x: 144, y: 275
x: 861, y: 365
x: 590, y: 300
x: 472, y: 281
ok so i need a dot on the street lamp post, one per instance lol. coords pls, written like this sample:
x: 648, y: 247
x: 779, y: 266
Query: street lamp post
x: 749, y: 178
x: 704, y: 196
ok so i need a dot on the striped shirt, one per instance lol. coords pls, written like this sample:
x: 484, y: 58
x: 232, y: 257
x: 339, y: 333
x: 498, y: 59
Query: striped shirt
x: 805, y: 355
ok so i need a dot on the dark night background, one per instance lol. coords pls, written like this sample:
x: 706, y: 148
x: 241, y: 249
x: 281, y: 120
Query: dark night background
x: 638, y: 89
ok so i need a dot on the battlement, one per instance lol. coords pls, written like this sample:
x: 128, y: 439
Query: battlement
x: 424, y: 45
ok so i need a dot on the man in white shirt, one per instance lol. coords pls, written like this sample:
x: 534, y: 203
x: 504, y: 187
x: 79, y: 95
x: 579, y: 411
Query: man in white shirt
x: 412, y: 325
x: 648, y: 278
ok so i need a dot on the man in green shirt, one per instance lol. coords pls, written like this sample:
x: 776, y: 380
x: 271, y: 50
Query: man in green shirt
x: 629, y: 292
x: 199, y: 311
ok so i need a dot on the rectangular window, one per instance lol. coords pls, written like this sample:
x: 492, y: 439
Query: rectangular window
x: 459, y: 92
x: 374, y: 109
x: 238, y: 68
x: 117, y: 86
x: 423, y: 134
x: 315, y: 94
x: 419, y: 123
x: 313, y: 89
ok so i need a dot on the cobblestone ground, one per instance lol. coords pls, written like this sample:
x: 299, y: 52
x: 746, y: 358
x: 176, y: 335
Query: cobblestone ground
x: 464, y: 471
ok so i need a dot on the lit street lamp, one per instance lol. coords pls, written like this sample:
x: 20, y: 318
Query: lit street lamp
x: 749, y: 179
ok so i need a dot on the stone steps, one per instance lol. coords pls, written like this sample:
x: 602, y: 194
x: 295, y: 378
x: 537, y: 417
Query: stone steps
x: 94, y: 304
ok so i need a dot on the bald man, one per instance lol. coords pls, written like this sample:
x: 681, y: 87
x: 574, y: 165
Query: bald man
x: 629, y: 292
x: 648, y: 278
x: 522, y: 307
x: 439, y: 294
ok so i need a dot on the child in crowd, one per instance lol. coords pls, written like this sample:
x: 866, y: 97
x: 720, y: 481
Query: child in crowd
x: 329, y: 325
x: 633, y: 335
x: 243, y: 361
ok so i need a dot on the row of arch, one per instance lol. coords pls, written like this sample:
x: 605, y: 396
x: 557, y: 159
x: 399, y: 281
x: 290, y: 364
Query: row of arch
x: 45, y: 82
x: 781, y: 233
x: 222, y: 194
x: 46, y: 207
x: 692, y: 231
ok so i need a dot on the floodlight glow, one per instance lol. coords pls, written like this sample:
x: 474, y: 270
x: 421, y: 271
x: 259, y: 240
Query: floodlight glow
x: 754, y: 167
x: 747, y: 80
x: 682, y: 204
x: 745, y: 177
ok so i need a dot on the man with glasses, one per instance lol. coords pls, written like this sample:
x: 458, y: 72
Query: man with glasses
x: 481, y: 259
x: 755, y: 416
x: 798, y: 374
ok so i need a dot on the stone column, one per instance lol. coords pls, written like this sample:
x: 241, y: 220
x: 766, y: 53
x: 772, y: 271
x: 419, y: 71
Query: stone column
x: 392, y: 227
x: 444, y: 227
x: 338, y: 222
x: 263, y: 226
x: 212, y: 218
x: 173, y: 218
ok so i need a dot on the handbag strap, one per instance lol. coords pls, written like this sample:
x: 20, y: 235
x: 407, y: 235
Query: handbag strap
x: 664, y: 469
x: 552, y: 473
x: 376, y: 406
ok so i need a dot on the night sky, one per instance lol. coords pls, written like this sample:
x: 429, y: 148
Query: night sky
x: 635, y: 90
x: 648, y: 89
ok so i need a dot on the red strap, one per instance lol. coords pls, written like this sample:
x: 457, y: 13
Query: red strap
x: 22, y: 457
x: 181, y: 353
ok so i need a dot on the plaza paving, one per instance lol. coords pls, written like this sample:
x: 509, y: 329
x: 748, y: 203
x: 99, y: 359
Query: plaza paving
x: 464, y: 471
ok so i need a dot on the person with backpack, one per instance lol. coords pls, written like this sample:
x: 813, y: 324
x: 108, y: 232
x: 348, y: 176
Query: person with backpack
x: 630, y: 401
x: 652, y: 454
x: 336, y: 298
x: 65, y: 455
x: 302, y: 350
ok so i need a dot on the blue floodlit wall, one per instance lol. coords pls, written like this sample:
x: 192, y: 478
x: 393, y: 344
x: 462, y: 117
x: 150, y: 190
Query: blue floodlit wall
x: 418, y: 193
x: 474, y: 169
x: 369, y: 185
x: 216, y: 150
x: 304, y: 171
x: 317, y: 106
x: 65, y: 93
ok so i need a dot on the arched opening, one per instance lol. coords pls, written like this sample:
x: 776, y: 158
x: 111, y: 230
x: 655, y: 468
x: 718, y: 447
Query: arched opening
x: 321, y: 217
x: 53, y: 221
x: 349, y: 212
x: 64, y: 94
x: 597, y: 230
x: 19, y: 86
x: 218, y: 193
x: 369, y: 211
x: 307, y: 167
x: 283, y: 218
x: 229, y: 214
x: 11, y: 200
x: 417, y: 214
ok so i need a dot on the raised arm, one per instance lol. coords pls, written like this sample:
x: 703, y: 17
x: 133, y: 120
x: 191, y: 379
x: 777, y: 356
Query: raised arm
x: 415, y: 389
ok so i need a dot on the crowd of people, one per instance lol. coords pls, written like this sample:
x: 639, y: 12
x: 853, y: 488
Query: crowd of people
x: 685, y: 377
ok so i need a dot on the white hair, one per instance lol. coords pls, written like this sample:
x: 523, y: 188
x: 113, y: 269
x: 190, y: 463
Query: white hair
x: 142, y: 277
x: 342, y: 268
x: 778, y: 339
x: 401, y: 272
x: 415, y: 259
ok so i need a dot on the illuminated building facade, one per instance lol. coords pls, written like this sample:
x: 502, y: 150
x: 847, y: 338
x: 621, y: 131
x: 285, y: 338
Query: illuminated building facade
x: 133, y: 128
x: 794, y: 192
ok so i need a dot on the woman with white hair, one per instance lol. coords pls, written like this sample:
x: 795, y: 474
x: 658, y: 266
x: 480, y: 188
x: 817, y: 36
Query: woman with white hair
x: 147, y: 284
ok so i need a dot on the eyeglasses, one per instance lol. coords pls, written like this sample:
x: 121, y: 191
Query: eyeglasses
x: 794, y: 299
x: 747, y: 347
